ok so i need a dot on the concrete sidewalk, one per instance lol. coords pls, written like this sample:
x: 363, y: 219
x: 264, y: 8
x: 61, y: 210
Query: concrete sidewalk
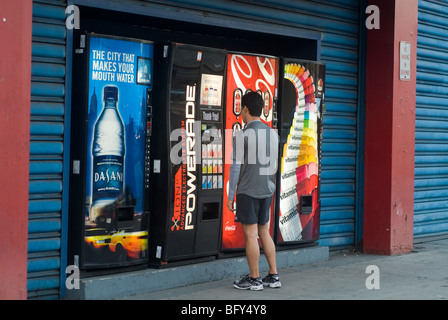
x: 422, y: 274
x: 146, y: 280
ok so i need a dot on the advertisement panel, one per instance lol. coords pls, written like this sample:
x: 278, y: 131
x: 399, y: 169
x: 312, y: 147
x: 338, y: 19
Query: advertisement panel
x: 186, y: 214
x: 300, y: 140
x: 244, y: 73
x: 119, y: 83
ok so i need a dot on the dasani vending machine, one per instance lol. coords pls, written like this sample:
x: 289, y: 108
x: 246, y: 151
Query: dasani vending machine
x: 110, y: 150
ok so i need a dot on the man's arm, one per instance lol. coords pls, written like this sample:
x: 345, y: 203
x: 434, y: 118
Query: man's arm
x: 234, y: 174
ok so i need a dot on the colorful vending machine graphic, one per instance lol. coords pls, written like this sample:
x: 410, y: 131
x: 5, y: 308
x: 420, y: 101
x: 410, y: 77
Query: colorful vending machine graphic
x: 300, y: 128
x: 245, y: 72
x: 118, y: 84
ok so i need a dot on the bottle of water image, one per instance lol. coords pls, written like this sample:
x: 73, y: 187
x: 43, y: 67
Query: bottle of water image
x: 108, y: 150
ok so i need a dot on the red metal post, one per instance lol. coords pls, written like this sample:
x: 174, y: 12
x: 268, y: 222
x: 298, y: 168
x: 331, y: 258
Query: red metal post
x: 390, y: 131
x: 15, y: 82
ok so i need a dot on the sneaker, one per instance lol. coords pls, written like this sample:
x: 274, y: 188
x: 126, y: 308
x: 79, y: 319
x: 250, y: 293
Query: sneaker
x: 247, y: 283
x: 272, y: 280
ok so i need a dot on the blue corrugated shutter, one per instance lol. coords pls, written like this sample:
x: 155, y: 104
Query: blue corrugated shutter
x: 338, y: 22
x: 46, y: 149
x: 431, y: 132
x: 339, y: 50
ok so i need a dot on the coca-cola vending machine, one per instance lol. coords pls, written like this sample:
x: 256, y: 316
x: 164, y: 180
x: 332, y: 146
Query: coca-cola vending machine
x: 111, y: 121
x: 245, y: 72
x: 187, y: 175
x: 300, y: 131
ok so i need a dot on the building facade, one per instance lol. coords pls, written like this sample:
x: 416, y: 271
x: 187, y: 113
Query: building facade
x: 368, y: 198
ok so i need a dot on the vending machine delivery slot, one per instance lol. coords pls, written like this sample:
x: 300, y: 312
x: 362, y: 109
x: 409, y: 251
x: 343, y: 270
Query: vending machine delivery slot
x: 207, y: 234
x: 306, y: 204
x: 210, y: 210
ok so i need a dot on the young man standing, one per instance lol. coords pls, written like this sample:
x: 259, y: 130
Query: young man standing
x: 252, y: 178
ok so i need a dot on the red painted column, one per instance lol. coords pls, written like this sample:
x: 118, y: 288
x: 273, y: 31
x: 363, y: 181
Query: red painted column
x: 15, y: 81
x: 390, y: 131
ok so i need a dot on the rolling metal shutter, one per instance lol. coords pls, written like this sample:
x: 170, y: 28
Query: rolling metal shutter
x: 431, y: 132
x: 46, y: 149
x: 339, y: 21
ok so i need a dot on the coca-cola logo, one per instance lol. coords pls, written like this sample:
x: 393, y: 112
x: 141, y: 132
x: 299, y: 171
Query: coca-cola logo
x: 243, y: 72
x: 230, y: 228
x: 269, y: 75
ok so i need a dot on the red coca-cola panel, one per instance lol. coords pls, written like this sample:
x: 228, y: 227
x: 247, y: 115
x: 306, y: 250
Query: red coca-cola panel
x: 245, y: 72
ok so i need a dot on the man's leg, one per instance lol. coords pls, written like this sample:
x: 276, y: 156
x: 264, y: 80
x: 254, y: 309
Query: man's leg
x: 268, y: 247
x: 252, y: 248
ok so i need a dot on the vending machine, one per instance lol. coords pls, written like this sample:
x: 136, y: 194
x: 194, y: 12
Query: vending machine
x: 300, y: 131
x: 245, y: 72
x: 111, y: 115
x: 187, y: 174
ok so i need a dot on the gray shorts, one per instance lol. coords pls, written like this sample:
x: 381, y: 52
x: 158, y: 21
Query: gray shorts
x: 251, y: 210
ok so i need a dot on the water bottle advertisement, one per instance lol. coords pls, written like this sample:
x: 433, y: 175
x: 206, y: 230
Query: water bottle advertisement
x: 119, y: 80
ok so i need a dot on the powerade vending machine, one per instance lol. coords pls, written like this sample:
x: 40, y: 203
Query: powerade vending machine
x: 300, y: 130
x: 187, y: 175
x: 245, y: 72
x: 111, y: 115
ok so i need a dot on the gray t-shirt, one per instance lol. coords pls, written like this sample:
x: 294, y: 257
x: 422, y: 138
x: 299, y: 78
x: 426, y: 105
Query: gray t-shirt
x: 254, y: 161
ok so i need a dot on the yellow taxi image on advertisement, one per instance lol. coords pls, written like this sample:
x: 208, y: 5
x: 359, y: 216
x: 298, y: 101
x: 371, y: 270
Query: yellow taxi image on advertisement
x: 97, y: 238
x: 133, y: 244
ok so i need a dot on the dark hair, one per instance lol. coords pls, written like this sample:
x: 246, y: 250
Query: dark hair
x: 254, y: 102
